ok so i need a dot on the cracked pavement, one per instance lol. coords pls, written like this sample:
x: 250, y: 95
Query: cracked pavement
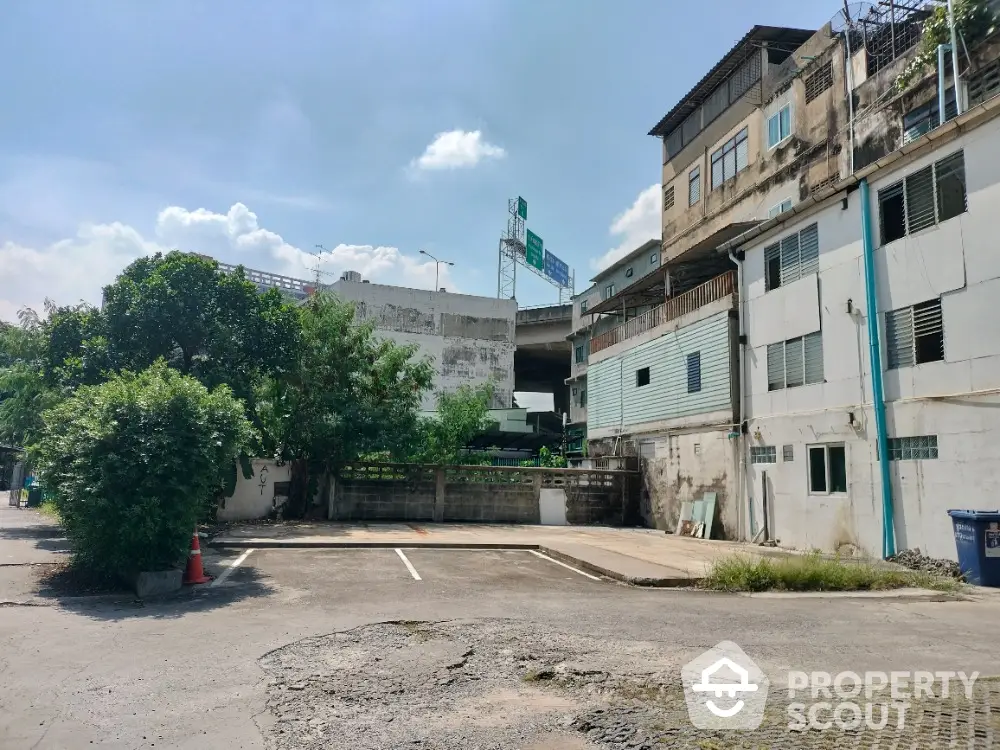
x: 213, y: 667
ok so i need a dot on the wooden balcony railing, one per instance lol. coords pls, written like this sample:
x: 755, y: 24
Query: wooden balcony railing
x: 691, y: 300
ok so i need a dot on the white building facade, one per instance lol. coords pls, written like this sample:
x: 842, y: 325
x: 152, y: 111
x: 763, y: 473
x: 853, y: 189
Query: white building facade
x: 812, y: 449
x: 469, y: 339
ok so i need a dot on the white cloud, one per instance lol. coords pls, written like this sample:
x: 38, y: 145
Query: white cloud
x: 637, y: 224
x: 78, y: 268
x: 457, y: 149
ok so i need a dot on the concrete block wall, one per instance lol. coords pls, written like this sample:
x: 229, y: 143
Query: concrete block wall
x: 486, y: 494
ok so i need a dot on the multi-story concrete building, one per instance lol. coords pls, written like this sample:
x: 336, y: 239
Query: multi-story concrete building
x: 470, y: 339
x: 874, y: 299
x: 757, y: 135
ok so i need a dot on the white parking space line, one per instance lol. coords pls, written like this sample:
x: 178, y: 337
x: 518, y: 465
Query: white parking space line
x: 232, y: 566
x: 408, y: 564
x: 568, y: 567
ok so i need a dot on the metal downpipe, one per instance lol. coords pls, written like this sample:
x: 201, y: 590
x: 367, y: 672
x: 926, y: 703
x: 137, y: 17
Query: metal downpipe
x: 875, y: 356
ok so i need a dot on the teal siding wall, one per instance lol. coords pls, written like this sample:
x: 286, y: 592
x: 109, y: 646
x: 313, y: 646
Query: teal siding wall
x: 612, y: 387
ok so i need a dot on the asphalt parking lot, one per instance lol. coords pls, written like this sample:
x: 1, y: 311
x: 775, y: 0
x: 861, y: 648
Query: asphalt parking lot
x: 311, y: 648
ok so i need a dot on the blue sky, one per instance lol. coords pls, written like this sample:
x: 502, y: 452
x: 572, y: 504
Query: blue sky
x: 256, y: 130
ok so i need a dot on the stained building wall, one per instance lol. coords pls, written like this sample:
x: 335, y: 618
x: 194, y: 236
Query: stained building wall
x: 469, y: 339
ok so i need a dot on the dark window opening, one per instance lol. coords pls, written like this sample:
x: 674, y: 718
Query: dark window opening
x: 772, y: 267
x: 951, y: 196
x: 694, y: 372
x: 892, y: 211
x: 837, y: 456
x: 628, y: 273
x: 817, y: 469
x: 583, y: 398
x: 928, y: 332
x: 642, y: 377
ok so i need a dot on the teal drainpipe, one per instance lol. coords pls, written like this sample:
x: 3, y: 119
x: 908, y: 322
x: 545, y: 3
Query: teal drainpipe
x: 878, y: 394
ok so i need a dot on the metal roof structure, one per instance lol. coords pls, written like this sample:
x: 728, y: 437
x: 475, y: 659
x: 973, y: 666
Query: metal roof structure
x: 779, y: 36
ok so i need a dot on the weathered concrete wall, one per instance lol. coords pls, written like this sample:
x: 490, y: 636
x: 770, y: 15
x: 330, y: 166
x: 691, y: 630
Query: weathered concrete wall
x: 681, y: 466
x: 258, y: 496
x: 809, y: 158
x: 470, y: 339
x: 396, y: 492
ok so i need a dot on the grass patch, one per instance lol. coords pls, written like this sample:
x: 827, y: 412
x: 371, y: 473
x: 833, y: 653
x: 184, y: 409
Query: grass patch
x: 48, y: 509
x: 814, y: 572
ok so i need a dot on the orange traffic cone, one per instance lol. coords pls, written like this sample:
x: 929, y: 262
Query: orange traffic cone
x: 195, y: 573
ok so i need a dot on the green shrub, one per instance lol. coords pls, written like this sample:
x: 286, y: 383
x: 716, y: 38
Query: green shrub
x: 814, y: 572
x: 134, y: 462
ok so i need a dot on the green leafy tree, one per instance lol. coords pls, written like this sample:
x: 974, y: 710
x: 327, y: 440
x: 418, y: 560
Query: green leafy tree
x: 133, y: 464
x: 346, y: 394
x: 461, y: 416
x: 215, y: 327
x: 76, y: 346
x: 974, y: 21
x: 24, y: 393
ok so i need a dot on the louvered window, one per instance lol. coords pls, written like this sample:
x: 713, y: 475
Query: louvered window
x: 694, y: 186
x: 925, y: 118
x: 694, y: 372
x: 787, y: 453
x: 668, y: 198
x: 776, y: 366
x: 797, y: 255
x: 819, y: 81
x: 985, y: 84
x: 920, y: 200
x: 795, y: 362
x: 914, y: 335
x: 931, y: 195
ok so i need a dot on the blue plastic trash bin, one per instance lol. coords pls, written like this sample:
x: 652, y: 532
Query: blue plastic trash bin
x: 977, y: 539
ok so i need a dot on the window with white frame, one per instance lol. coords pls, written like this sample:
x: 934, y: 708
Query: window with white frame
x: 927, y: 197
x: 654, y: 259
x: 731, y: 159
x: 795, y: 362
x: 609, y: 291
x: 914, y: 335
x: 920, y: 448
x: 785, y: 205
x: 779, y: 126
x: 694, y: 186
x: 763, y: 454
x: 827, y: 469
x: 581, y: 353
x: 795, y: 256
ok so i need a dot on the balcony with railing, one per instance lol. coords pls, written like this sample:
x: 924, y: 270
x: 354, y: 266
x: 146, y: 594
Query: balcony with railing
x: 715, y: 289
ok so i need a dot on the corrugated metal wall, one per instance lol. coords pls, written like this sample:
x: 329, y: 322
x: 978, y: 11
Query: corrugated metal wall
x: 612, y: 385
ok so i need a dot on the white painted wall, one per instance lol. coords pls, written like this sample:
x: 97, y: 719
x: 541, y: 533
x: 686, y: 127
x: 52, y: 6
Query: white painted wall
x: 255, y: 497
x: 957, y: 399
x: 470, y: 339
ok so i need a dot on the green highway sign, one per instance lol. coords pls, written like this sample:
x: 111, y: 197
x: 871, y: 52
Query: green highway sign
x: 534, y: 253
x: 522, y: 208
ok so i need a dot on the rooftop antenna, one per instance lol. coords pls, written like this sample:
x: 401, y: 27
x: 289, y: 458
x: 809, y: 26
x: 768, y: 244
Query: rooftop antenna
x: 319, y: 257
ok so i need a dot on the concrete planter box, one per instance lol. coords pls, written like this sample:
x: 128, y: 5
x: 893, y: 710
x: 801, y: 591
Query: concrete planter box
x: 158, y: 583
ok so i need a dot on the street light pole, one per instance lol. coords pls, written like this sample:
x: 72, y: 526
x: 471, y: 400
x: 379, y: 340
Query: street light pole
x: 437, y: 268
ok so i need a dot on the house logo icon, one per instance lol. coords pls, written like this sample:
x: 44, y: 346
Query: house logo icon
x: 725, y: 689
